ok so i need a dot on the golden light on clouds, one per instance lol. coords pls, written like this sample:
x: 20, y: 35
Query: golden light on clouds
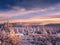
x: 41, y: 21
x: 45, y: 19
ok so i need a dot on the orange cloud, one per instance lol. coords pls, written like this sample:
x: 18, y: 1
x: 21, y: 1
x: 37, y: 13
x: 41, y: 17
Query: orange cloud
x: 41, y: 21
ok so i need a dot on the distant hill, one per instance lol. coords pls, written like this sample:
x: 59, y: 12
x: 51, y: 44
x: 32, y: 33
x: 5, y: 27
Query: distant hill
x: 31, y: 24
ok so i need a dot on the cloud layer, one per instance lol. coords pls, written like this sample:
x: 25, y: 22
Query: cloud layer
x: 20, y: 9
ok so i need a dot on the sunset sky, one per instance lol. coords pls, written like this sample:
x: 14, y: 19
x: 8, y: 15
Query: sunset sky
x: 27, y: 9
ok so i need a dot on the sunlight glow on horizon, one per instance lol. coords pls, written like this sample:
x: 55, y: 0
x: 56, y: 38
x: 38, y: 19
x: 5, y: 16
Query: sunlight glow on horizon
x: 41, y: 21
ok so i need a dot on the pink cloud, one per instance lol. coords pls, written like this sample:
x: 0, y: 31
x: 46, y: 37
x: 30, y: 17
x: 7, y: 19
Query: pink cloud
x: 21, y: 11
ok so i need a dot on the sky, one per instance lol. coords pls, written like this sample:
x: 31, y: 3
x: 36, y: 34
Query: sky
x: 26, y: 9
